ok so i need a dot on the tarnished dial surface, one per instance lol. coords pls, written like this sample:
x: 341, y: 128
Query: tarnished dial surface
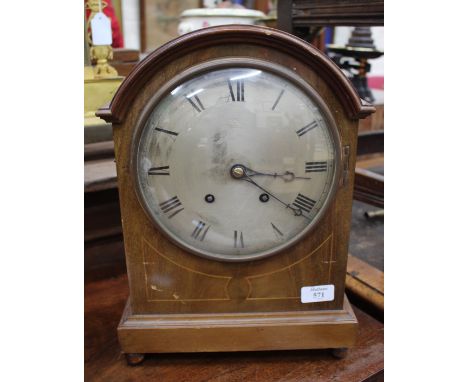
x: 236, y: 164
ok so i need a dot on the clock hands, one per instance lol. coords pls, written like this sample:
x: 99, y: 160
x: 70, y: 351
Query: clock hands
x: 287, y: 176
x: 240, y: 172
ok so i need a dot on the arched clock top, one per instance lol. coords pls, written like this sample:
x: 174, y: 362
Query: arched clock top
x: 275, y: 39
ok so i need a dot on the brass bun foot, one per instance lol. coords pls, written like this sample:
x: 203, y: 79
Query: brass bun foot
x: 134, y: 359
x: 339, y: 353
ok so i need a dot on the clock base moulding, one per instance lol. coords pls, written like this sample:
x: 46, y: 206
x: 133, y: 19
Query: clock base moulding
x: 174, y: 333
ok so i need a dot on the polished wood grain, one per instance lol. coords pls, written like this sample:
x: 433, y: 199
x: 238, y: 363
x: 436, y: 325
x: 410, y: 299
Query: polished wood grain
x: 105, y: 300
x: 166, y: 280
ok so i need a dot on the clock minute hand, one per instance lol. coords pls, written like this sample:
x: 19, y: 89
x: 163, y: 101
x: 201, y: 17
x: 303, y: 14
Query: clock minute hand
x: 287, y: 176
x: 240, y: 172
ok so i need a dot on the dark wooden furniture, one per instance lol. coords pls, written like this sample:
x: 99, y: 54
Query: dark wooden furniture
x: 365, y: 285
x: 370, y: 142
x: 369, y: 185
x: 125, y: 60
x: 105, y: 299
x: 294, y: 15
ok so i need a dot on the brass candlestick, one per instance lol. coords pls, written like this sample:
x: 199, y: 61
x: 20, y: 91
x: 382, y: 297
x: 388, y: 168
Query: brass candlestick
x: 101, y: 80
x: 99, y: 53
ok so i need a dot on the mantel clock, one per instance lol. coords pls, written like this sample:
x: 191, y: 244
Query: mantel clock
x: 235, y: 149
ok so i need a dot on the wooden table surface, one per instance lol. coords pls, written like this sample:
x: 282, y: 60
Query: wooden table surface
x: 104, y: 302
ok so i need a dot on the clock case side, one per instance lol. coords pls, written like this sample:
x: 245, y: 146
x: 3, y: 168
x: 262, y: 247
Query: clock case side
x: 142, y: 240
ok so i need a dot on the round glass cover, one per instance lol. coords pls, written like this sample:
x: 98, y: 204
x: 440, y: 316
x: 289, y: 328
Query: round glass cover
x: 236, y: 163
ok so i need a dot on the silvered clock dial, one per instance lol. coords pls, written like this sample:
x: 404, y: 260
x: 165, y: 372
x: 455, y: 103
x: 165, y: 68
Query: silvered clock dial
x: 236, y: 161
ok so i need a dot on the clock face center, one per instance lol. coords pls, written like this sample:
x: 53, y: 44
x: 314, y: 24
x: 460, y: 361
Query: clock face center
x: 237, y: 171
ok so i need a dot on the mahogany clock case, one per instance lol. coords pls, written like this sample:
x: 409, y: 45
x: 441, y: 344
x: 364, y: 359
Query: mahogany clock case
x: 205, y: 304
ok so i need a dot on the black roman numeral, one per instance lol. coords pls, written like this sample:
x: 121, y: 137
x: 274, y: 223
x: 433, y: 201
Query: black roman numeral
x: 166, y: 131
x: 239, y: 92
x: 201, y: 227
x: 307, y: 128
x: 315, y: 166
x: 238, y: 240
x: 170, y: 205
x: 163, y: 170
x: 197, y: 104
x: 277, y: 100
x: 304, y: 203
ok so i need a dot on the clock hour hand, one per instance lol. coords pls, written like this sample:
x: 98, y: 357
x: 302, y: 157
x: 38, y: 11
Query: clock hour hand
x: 287, y: 176
x: 240, y: 172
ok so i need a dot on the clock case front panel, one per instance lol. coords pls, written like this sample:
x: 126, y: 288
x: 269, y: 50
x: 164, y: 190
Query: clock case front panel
x: 169, y: 283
